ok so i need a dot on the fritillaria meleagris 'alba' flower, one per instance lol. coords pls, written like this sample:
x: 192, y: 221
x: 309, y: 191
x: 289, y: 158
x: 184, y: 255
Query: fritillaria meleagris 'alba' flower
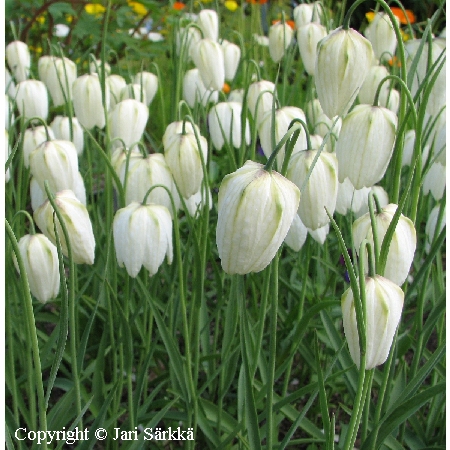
x: 224, y: 120
x: 32, y: 99
x: 149, y: 82
x: 61, y: 130
x: 57, y: 162
x: 297, y: 234
x: 208, y: 21
x: 256, y: 209
x: 184, y: 160
x: 40, y: 259
x: 127, y: 121
x: 78, y: 224
x: 402, y: 247
x: 19, y: 60
x: 142, y: 237
x: 260, y: 98
x: 384, y: 304
x: 280, y: 37
x: 58, y: 74
x: 430, y: 227
x: 232, y: 56
x: 175, y: 128
x: 349, y: 198
x: 306, y: 13
x: 383, y: 200
x: 32, y: 138
x: 194, y: 90
x: 115, y: 85
x: 188, y: 38
x: 133, y: 91
x: 147, y: 172
x: 87, y: 101
x: 308, y: 36
x: 381, y: 35
x: 321, y: 188
x: 371, y: 82
x: 343, y: 61
x: 434, y: 181
x: 209, y: 60
x: 283, y: 117
x: 365, y: 144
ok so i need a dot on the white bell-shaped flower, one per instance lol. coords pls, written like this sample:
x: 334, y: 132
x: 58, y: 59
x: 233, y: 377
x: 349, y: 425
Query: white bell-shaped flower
x: 32, y: 138
x: 135, y: 92
x: 320, y: 190
x: 40, y: 259
x: 306, y: 13
x: 208, y: 21
x: 320, y: 235
x: 127, y: 121
x: 232, y: 56
x: 32, y: 99
x: 149, y: 82
x: 175, y: 128
x: 370, y: 85
x: 381, y: 35
x: 432, y: 223
x: 224, y: 120
x: 194, y: 90
x: 142, y: 237
x: 115, y: 85
x: 209, y: 60
x: 57, y: 162
x: 382, y: 196
x: 384, y: 304
x: 349, y: 198
x: 87, y: 101
x: 78, y: 224
x: 147, y: 172
x: 184, y: 160
x: 280, y: 38
x: 19, y: 60
x: 343, y: 61
x: 61, y: 129
x: 402, y: 247
x: 58, y: 74
x: 308, y: 36
x: 365, y: 144
x: 283, y: 117
x: 260, y: 98
x: 297, y: 234
x: 256, y: 209
x: 434, y: 181
x: 187, y: 39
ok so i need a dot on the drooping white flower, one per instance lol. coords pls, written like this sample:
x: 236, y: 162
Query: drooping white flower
x: 381, y: 35
x: 78, y: 224
x: 40, y: 259
x: 260, y: 99
x: 19, y: 60
x: 280, y: 38
x: 232, y: 56
x: 308, y: 36
x: 343, y: 61
x: 61, y: 129
x: 32, y: 99
x: 256, y: 209
x: 384, y: 304
x: 402, y: 247
x: 142, y: 237
x: 149, y: 82
x: 194, y: 91
x: 208, y: 21
x: 209, y: 60
x: 32, y: 138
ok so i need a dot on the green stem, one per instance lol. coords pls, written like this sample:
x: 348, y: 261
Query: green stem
x: 31, y: 326
x: 272, y: 350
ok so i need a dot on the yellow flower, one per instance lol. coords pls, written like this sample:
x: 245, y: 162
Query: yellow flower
x: 69, y: 18
x: 231, y: 5
x: 370, y: 16
x: 405, y: 35
x: 138, y: 8
x: 94, y: 8
x: 40, y: 19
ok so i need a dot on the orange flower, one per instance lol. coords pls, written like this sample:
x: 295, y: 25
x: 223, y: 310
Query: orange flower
x: 179, y: 6
x: 257, y: 2
x: 226, y: 88
x: 394, y: 61
x: 401, y: 15
x: 291, y: 23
